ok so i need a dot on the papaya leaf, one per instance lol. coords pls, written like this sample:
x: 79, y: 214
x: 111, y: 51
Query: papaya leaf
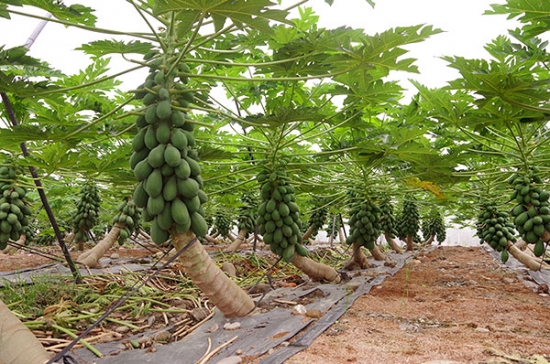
x: 101, y: 48
x: 17, y: 56
x: 535, y: 14
x: 4, y: 12
x: 76, y: 13
x: 10, y: 83
x: 255, y: 14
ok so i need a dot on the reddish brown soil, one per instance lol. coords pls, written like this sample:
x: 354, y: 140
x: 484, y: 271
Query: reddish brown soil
x: 454, y: 303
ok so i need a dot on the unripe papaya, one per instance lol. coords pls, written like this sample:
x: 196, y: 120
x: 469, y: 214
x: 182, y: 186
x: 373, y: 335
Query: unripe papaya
x: 193, y: 204
x: 151, y: 114
x: 179, y: 139
x: 149, y: 99
x: 198, y: 224
x: 288, y: 253
x: 164, y: 219
x: 164, y: 109
x: 164, y: 94
x: 170, y: 189
x: 177, y: 118
x: 153, y: 185
x: 183, y: 170
x: 138, y: 157
x: 151, y: 138
x: 138, y: 143
x: 163, y: 132
x: 142, y: 170
x: 140, y: 196
x: 180, y: 214
x: 538, y: 249
x: 156, y: 156
x: 155, y: 205
x: 172, y: 156
x: 158, y: 235
x: 188, y: 188
x: 194, y: 167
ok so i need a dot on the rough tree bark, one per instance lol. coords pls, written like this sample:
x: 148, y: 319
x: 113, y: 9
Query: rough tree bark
x: 410, y: 243
x: 91, y: 257
x: 393, y: 244
x: 430, y: 240
x: 225, y: 294
x: 377, y: 253
x: 358, y: 259
x: 17, y: 343
x: 238, y: 241
x: 314, y: 270
x: 341, y: 235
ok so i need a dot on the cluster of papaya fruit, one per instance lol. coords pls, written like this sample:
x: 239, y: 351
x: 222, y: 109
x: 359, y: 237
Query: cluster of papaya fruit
x: 317, y: 219
x: 164, y: 160
x: 434, y: 226
x: 14, y: 208
x: 387, y: 219
x: 87, y: 212
x: 278, y: 215
x: 222, y: 223
x: 532, y: 211
x: 128, y: 216
x: 408, y: 223
x: 364, y: 222
x: 247, y: 213
x: 494, y: 229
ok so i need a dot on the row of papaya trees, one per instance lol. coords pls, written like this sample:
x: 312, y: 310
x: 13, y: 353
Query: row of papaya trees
x: 248, y: 96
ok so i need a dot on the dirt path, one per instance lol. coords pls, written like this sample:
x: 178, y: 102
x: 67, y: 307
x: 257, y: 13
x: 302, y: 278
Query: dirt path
x: 454, y: 303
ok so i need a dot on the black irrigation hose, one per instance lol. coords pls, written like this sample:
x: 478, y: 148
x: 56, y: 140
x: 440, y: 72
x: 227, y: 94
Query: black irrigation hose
x: 36, y: 251
x: 62, y: 355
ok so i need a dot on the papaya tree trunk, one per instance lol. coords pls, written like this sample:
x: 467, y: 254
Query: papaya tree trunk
x: 393, y: 244
x: 341, y: 235
x: 410, y: 243
x: 238, y: 241
x: 521, y: 244
x: 17, y: 342
x: 377, y: 253
x: 211, y: 239
x: 308, y: 233
x: 230, y: 237
x: 225, y: 294
x: 358, y: 259
x: 529, y: 261
x: 91, y: 257
x: 314, y: 270
x: 430, y: 240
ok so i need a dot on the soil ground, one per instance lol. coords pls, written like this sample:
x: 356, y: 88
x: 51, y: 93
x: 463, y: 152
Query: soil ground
x: 451, y: 303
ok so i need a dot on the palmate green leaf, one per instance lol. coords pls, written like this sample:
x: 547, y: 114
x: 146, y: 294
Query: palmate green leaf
x: 375, y: 93
x: 10, y: 83
x: 255, y: 14
x: 17, y: 56
x: 4, y: 13
x: 379, y: 54
x: 534, y: 13
x: 285, y: 115
x: 493, y: 79
x: 103, y: 47
x: 76, y: 13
